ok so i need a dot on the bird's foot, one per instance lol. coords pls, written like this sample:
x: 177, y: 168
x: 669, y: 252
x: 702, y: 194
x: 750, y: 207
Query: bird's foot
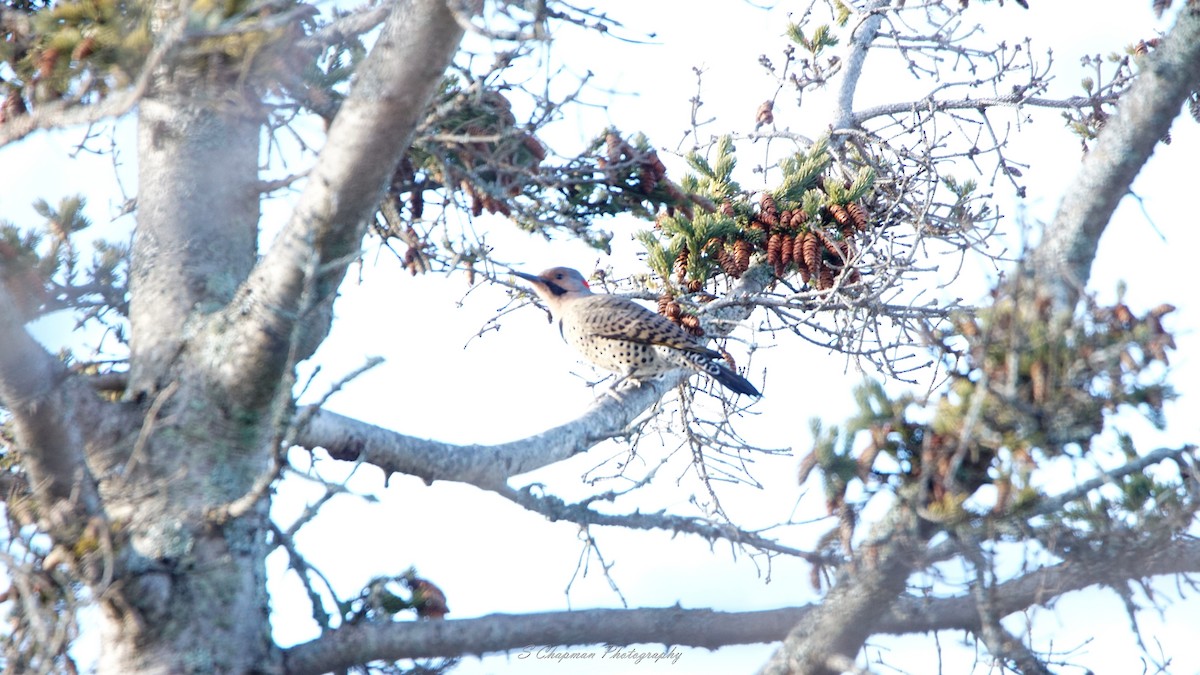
x: 612, y: 393
x: 614, y: 390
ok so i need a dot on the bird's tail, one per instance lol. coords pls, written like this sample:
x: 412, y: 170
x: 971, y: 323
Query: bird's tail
x: 723, y: 374
x: 732, y: 380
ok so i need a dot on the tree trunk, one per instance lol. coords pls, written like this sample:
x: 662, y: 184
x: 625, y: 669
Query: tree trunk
x: 191, y: 593
x: 197, y: 218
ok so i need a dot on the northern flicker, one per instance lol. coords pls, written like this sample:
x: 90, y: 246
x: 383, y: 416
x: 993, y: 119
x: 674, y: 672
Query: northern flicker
x: 621, y: 336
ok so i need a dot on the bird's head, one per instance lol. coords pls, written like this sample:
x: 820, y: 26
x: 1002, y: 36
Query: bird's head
x: 557, y: 283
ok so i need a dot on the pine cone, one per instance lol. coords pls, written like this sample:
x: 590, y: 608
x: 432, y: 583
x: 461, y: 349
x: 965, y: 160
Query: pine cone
x: 840, y: 215
x: 812, y: 253
x: 798, y: 255
x: 428, y: 599
x: 774, y: 243
x: 728, y: 262
x: 741, y: 255
x: 84, y: 48
x: 858, y: 215
x: 646, y: 180
x: 839, y: 250
x: 416, y: 203
x: 765, y: 114
x: 674, y: 311
x: 825, y: 279
x: 769, y: 212
x: 681, y: 264
x: 664, y: 301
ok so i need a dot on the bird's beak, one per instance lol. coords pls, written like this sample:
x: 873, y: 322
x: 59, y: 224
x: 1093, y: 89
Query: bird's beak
x: 528, y: 277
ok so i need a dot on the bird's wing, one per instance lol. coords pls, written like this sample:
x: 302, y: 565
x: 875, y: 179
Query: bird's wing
x: 619, y: 318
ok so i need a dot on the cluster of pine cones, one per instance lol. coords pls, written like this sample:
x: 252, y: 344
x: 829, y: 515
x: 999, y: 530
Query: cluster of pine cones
x: 818, y: 252
x: 818, y: 246
x: 668, y: 307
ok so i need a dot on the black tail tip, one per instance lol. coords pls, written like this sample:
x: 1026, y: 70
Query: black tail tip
x: 734, y: 382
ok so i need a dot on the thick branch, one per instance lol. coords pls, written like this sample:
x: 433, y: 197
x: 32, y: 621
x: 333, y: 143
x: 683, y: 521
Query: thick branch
x: 504, y: 632
x: 1143, y: 117
x: 197, y: 206
x: 859, y: 47
x: 373, y: 128
x: 485, y: 466
x: 1108, y: 565
x: 490, y: 467
x: 710, y: 629
x: 43, y: 399
x: 850, y: 614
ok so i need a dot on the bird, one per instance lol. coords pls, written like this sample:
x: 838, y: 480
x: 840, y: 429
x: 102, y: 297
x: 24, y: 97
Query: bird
x: 621, y: 336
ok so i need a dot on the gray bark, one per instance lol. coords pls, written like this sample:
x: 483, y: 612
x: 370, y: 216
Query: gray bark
x: 1144, y: 115
x: 197, y: 218
x: 657, y: 628
x: 139, y: 490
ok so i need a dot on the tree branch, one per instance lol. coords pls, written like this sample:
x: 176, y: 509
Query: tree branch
x: 490, y: 467
x: 557, y: 510
x: 859, y: 47
x: 373, y: 128
x: 930, y: 104
x: 45, y: 401
x: 484, y: 466
x: 1144, y: 115
x: 1106, y: 565
x: 74, y: 113
x: 353, y: 24
x: 350, y: 645
x: 197, y: 164
x: 850, y: 613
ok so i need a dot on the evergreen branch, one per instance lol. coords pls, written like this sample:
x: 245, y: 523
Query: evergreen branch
x: 71, y: 113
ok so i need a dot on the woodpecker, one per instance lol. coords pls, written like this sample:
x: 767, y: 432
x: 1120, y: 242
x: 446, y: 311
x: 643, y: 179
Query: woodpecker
x: 619, y: 335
